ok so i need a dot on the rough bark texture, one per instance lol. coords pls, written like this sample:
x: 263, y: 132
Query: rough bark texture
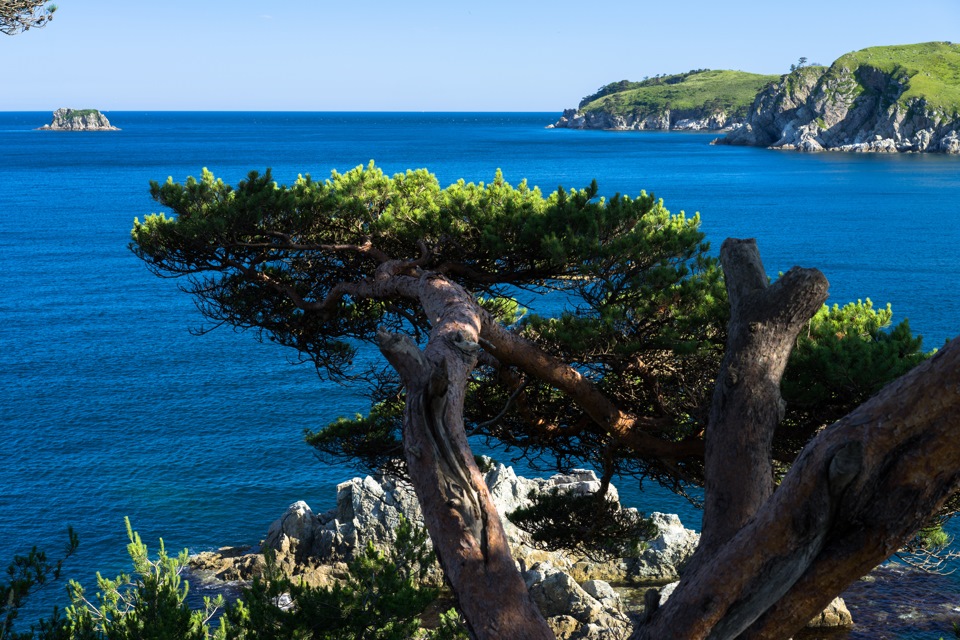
x: 855, y: 495
x: 459, y: 514
x: 747, y: 407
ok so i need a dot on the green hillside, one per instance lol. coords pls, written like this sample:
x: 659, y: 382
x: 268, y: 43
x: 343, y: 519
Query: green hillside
x: 706, y: 91
x: 930, y: 70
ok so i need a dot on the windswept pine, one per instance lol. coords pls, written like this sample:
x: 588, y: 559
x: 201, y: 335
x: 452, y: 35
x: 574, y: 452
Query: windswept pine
x: 663, y: 369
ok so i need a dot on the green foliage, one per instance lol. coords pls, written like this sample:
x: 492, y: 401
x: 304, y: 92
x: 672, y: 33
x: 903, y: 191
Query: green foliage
x: 73, y: 114
x: 150, y: 604
x: 643, y: 316
x: 594, y: 526
x: 373, y: 440
x: 450, y: 627
x: 381, y: 599
x: 24, y: 575
x: 934, y: 538
x: 296, y: 263
x: 607, y: 89
x: 928, y: 71
x: 846, y: 356
x: 701, y: 91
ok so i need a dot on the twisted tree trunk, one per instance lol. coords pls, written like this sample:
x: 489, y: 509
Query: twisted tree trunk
x: 458, y: 512
x: 856, y: 494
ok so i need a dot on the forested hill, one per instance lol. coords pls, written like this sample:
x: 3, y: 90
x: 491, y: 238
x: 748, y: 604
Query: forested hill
x: 886, y: 99
x: 698, y: 99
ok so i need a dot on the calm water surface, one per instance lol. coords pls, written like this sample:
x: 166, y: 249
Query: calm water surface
x: 111, y: 408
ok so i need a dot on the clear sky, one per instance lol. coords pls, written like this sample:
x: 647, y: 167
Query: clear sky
x: 422, y: 55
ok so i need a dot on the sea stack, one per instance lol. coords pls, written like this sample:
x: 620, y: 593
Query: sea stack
x: 78, y: 120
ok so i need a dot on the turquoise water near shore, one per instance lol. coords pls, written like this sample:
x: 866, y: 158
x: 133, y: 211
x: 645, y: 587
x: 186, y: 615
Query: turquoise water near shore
x: 111, y: 407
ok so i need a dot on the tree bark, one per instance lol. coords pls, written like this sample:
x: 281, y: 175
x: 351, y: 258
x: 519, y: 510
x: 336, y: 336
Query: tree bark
x: 855, y: 495
x: 458, y: 512
x: 746, y: 406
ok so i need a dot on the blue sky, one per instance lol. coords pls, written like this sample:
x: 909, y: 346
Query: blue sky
x: 422, y: 55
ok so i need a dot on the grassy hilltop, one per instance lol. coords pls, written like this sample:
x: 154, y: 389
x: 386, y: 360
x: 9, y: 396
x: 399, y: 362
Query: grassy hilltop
x: 703, y: 91
x: 930, y: 71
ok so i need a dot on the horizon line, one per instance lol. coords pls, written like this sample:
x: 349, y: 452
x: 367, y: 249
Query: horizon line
x: 286, y: 110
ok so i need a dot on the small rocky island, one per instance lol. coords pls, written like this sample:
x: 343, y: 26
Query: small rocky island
x: 78, y: 120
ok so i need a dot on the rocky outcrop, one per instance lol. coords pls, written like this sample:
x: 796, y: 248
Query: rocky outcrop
x: 666, y: 120
x: 78, y: 120
x: 368, y: 510
x: 845, y: 109
x: 573, y: 592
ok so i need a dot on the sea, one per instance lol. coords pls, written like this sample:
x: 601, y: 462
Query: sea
x: 113, y: 406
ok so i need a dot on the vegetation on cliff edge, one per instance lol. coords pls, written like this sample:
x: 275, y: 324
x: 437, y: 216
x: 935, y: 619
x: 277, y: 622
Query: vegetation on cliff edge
x: 930, y: 70
x: 705, y: 91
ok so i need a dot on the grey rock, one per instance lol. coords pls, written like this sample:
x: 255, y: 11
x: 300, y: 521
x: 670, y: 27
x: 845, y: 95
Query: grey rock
x: 573, y: 592
x: 571, y: 610
x: 666, y: 120
x: 603, y: 593
x: 836, y: 108
x: 666, y: 554
x: 294, y: 532
x: 78, y: 120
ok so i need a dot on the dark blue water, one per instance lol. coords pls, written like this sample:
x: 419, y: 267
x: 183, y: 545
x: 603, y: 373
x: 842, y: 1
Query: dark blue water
x: 111, y: 408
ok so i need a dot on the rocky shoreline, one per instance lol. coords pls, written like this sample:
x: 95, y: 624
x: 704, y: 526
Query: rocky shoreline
x: 581, y: 598
x: 667, y: 120
x: 893, y: 99
x: 822, y: 109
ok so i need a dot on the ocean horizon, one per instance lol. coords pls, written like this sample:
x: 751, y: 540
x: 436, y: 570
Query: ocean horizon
x: 115, y: 408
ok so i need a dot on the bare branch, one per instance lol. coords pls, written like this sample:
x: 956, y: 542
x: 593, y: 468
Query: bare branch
x: 17, y: 16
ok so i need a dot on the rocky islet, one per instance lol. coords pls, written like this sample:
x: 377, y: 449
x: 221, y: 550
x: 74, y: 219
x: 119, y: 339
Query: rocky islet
x: 78, y: 120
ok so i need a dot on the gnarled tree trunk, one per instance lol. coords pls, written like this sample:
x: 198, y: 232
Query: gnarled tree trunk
x: 458, y: 512
x: 857, y: 492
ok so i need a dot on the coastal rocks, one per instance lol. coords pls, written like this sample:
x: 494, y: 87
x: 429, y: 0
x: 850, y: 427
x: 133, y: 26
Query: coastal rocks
x: 844, y: 109
x: 666, y: 120
x: 577, y: 611
x: 573, y: 592
x: 666, y: 554
x: 78, y: 120
x: 368, y: 510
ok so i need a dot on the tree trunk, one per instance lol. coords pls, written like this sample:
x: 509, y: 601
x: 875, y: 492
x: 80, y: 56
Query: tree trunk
x: 856, y: 494
x: 458, y: 512
x: 746, y: 406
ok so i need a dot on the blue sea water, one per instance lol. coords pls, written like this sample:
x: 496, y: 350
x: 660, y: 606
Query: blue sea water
x: 110, y: 407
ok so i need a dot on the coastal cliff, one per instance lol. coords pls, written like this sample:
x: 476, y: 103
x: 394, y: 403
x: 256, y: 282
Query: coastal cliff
x: 882, y: 99
x: 699, y: 100
x: 78, y: 120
